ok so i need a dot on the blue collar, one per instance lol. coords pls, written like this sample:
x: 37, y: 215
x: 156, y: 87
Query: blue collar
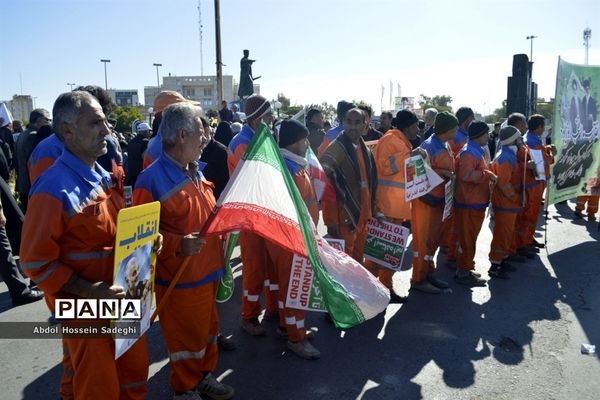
x: 532, y: 140
x: 175, y: 171
x: 94, y: 176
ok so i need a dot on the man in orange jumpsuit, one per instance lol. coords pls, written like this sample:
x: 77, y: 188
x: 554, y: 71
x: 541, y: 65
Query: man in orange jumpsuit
x: 68, y: 246
x: 293, y: 143
x: 506, y: 200
x: 427, y: 210
x: 527, y: 219
x: 258, y: 270
x: 350, y: 168
x: 471, y: 198
x: 391, y: 152
x: 189, y: 319
x: 592, y: 206
x: 465, y: 116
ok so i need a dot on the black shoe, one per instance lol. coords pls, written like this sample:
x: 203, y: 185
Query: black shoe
x: 537, y: 244
x: 469, y: 280
x: 517, y: 258
x: 496, y: 271
x: 395, y: 298
x: 438, y: 283
x: 225, y: 343
x: 508, y: 266
x: 533, y: 249
x: 525, y: 253
x: 33, y: 296
x: 578, y: 214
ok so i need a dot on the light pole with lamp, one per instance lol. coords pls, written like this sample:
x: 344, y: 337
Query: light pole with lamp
x: 105, y: 78
x: 530, y: 38
x: 71, y: 85
x: 157, y: 80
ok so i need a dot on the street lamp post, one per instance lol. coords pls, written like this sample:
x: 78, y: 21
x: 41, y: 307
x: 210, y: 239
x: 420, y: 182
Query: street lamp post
x: 530, y: 38
x: 71, y: 85
x: 105, y: 79
x: 157, y: 80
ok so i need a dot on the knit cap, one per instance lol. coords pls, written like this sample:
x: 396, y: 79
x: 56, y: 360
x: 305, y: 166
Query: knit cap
x: 404, y: 119
x: 444, y: 122
x: 291, y: 131
x: 477, y: 129
x: 256, y: 107
x: 508, y: 135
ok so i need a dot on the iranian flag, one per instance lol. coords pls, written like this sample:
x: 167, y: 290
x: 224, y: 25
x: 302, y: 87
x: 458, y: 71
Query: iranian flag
x: 261, y: 197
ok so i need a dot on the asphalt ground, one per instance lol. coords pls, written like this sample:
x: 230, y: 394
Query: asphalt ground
x: 515, y: 339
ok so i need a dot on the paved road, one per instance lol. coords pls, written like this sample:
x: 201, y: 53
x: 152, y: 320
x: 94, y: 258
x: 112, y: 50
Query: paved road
x: 517, y: 339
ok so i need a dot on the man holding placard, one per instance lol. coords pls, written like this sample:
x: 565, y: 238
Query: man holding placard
x: 390, y: 154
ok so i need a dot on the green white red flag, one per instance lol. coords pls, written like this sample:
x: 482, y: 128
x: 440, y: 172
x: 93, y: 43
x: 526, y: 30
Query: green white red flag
x: 261, y: 197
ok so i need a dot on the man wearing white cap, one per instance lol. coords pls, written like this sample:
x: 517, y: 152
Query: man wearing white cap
x: 135, y: 150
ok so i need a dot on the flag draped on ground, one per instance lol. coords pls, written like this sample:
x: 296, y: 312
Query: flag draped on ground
x: 261, y: 197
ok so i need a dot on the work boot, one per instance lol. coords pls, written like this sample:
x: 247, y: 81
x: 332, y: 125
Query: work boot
x: 508, y: 266
x: 578, y: 214
x: 304, y: 350
x: 496, y: 271
x: 212, y: 388
x: 467, y: 278
x: 516, y: 258
x: 425, y: 287
x: 253, y: 327
x: 533, y: 249
x: 523, y: 251
x: 537, y: 244
x: 281, y: 331
x: 438, y: 283
x: 189, y: 395
x: 33, y: 296
x: 225, y: 343
x: 395, y: 298
x: 591, y: 218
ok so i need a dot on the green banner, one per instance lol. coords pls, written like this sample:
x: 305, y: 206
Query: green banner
x: 575, y: 132
x: 227, y: 284
x: 386, y: 243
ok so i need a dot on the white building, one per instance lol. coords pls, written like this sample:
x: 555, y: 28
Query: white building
x: 20, y: 106
x: 202, y: 89
x: 124, y: 97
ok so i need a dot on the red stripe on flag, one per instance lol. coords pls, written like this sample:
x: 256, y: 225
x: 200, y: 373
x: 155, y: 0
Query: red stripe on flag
x: 262, y: 221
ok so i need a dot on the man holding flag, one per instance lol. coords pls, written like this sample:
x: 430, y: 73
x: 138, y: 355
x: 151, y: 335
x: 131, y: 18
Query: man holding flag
x: 188, y: 319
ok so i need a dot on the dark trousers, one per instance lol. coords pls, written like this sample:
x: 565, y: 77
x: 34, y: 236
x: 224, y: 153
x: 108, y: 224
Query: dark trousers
x: 11, y: 275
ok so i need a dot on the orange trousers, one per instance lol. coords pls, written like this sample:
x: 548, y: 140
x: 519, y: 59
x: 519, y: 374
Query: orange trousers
x: 97, y: 375
x: 258, y: 274
x: 385, y: 275
x: 592, y: 204
x: 426, y: 223
x: 502, y: 235
x: 449, y: 237
x: 527, y: 219
x: 468, y: 224
x: 290, y: 318
x: 190, y: 325
x: 355, y: 240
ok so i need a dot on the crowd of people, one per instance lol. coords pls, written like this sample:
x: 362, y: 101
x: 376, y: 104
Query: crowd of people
x: 72, y: 172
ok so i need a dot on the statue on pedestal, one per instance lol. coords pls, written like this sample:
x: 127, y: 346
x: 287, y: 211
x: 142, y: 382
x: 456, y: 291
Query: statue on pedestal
x: 246, y: 87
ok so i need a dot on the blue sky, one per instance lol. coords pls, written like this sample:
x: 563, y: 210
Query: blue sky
x: 311, y: 51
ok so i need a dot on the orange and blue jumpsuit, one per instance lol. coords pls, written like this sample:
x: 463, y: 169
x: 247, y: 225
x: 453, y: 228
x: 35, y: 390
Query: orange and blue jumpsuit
x: 153, y: 151
x: 471, y: 198
x: 70, y: 229
x: 258, y: 271
x: 391, y: 152
x: 449, y: 234
x: 427, y: 211
x: 528, y: 217
x: 189, y: 319
x: 506, y: 202
x: 290, y: 318
x: 43, y: 156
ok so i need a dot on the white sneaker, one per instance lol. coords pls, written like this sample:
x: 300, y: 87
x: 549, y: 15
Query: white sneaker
x: 304, y: 350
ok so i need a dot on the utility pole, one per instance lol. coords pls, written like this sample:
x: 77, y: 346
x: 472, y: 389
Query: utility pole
x: 105, y: 78
x: 219, y: 61
x: 530, y: 38
x: 587, y: 35
x: 157, y: 80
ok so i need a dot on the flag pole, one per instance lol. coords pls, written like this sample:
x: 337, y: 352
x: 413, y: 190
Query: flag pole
x: 174, y: 281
